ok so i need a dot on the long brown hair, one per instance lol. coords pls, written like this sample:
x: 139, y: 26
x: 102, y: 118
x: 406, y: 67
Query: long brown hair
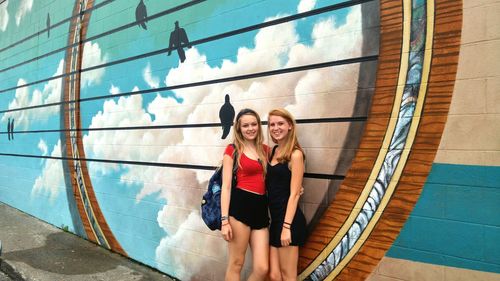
x: 291, y: 143
x: 239, y: 140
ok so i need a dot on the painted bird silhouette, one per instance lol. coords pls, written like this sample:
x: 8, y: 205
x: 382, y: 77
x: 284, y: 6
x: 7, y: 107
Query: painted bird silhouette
x: 48, y: 25
x: 12, y: 129
x: 178, y: 40
x: 226, y: 115
x: 140, y: 14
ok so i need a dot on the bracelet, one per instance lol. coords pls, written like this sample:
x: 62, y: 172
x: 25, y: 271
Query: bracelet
x: 223, y: 218
x: 287, y: 227
x: 287, y: 223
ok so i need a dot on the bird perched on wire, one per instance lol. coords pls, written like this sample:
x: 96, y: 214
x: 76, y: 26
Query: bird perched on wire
x: 226, y: 115
x: 178, y: 40
x: 140, y: 14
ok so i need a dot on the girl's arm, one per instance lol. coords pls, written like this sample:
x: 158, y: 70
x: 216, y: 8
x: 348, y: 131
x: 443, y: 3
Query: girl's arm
x: 297, y: 168
x: 225, y: 197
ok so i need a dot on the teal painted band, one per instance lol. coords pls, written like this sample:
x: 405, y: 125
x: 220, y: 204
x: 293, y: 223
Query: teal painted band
x: 473, y: 175
x: 456, y: 220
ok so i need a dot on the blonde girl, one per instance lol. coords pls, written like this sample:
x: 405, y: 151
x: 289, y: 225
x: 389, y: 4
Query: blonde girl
x: 284, y: 176
x: 244, y: 208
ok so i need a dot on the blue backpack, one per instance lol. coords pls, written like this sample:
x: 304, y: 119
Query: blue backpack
x: 210, y: 204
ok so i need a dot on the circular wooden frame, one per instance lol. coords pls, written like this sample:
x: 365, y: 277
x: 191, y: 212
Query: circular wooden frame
x: 94, y: 223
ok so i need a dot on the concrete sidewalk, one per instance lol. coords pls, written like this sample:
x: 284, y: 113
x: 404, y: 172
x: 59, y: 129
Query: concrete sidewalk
x: 34, y: 250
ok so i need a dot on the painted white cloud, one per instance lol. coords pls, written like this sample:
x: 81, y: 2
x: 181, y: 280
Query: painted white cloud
x: 275, y: 47
x: 92, y: 56
x: 4, y: 15
x: 152, y: 81
x: 114, y: 90
x: 24, y: 8
x: 50, y: 93
x: 42, y: 145
x: 127, y: 111
x: 186, y: 253
x: 51, y: 181
x: 306, y: 5
x: 340, y: 42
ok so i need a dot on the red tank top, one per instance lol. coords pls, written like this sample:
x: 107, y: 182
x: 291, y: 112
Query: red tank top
x: 250, y: 174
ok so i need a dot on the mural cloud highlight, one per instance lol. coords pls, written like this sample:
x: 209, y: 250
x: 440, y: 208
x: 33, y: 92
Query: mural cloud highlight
x: 50, y: 93
x: 24, y: 8
x: 306, y: 5
x: 92, y: 56
x: 4, y: 15
x: 51, y: 181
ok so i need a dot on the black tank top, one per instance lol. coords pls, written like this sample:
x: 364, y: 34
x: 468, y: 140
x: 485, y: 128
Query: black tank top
x: 278, y: 179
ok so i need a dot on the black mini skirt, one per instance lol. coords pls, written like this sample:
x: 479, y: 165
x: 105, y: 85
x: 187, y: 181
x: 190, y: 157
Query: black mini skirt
x: 249, y: 208
x: 298, y: 230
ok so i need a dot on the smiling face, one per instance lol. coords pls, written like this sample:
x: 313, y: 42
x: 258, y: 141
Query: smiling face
x: 279, y: 128
x: 249, y: 127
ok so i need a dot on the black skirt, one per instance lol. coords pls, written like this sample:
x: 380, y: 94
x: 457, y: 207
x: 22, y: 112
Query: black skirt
x: 297, y: 229
x: 249, y: 208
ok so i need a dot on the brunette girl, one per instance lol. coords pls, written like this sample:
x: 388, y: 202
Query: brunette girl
x: 244, y: 208
x: 284, y: 181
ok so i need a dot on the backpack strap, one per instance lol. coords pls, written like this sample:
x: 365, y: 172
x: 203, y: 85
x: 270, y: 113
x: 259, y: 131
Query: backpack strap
x: 234, y: 180
x: 235, y: 156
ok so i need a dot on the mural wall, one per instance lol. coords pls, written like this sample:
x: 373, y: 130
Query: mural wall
x: 114, y: 114
x: 451, y: 233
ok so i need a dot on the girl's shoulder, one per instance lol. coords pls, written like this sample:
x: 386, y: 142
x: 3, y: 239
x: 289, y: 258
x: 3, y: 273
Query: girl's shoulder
x: 229, y: 150
x: 297, y: 155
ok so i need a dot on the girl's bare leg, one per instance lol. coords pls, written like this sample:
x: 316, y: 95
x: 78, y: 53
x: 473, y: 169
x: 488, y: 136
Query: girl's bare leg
x: 237, y: 249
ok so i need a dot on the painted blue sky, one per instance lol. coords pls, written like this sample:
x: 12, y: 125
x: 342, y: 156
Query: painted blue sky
x: 157, y: 201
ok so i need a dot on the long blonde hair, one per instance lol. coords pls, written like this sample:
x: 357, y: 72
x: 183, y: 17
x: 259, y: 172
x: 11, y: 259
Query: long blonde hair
x: 291, y: 143
x: 239, y: 140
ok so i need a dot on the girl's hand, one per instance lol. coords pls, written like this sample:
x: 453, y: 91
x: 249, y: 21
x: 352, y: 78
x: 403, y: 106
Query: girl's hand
x: 286, y: 237
x: 227, y: 231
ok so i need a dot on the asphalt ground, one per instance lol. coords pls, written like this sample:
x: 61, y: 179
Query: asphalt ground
x: 33, y: 250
